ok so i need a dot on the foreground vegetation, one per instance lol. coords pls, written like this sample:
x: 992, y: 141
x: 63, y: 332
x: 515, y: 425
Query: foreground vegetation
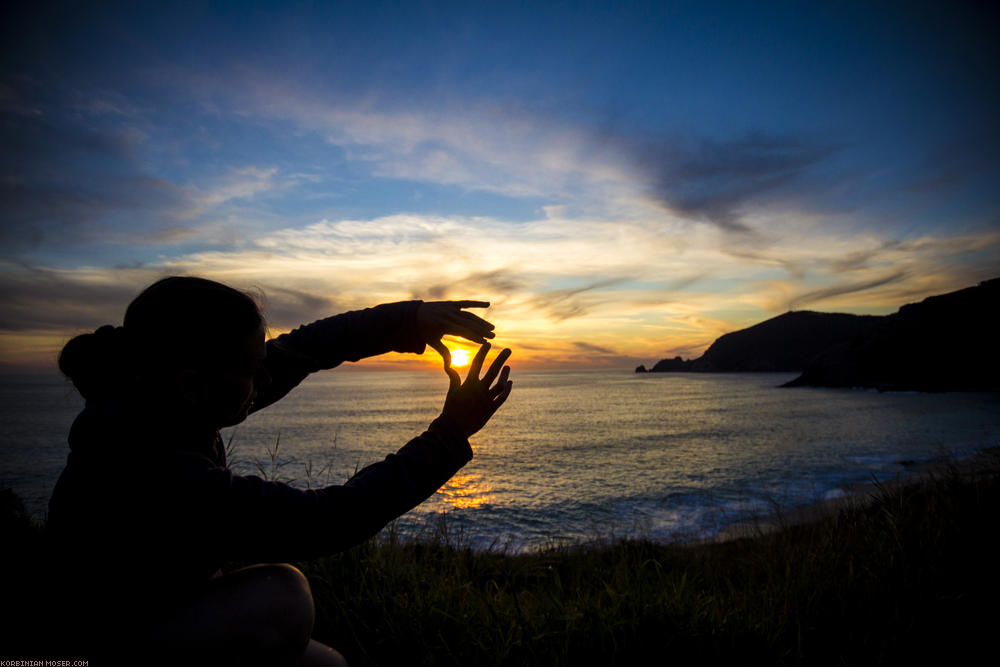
x: 910, y: 575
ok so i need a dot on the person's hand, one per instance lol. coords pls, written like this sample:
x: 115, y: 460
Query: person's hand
x: 439, y: 318
x: 473, y: 402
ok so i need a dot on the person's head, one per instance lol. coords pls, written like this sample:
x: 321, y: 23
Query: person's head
x: 186, y: 343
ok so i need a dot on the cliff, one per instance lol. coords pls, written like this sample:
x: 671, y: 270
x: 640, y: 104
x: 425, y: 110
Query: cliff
x: 944, y: 343
x: 785, y: 343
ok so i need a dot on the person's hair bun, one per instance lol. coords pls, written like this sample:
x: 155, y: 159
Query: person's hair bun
x: 94, y: 361
x: 177, y: 320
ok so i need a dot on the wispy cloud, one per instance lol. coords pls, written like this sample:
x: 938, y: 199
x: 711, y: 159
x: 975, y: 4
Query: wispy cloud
x: 562, y: 304
x: 593, y: 169
x: 75, y: 170
x: 486, y: 146
x: 239, y: 183
x: 716, y: 181
x: 861, y: 259
x: 593, y: 349
x: 287, y: 308
x: 514, y: 152
x: 60, y: 176
x: 498, y: 281
x: 48, y: 300
x: 842, y: 289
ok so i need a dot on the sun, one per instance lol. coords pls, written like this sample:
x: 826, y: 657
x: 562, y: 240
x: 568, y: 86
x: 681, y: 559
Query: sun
x: 460, y: 357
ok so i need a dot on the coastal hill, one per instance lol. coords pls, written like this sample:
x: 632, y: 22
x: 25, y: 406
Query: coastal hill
x: 785, y: 343
x: 943, y: 343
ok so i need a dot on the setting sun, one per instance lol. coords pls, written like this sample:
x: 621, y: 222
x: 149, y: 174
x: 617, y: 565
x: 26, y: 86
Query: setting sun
x: 460, y: 357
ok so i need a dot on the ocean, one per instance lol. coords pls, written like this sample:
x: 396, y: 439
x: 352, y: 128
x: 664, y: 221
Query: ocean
x: 572, y: 455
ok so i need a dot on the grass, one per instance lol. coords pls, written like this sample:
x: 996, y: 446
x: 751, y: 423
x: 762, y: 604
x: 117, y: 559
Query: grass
x: 910, y: 576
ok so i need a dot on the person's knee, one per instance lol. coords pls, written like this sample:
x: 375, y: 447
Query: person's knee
x: 287, y: 601
x: 321, y: 655
x: 262, y: 614
x: 285, y: 579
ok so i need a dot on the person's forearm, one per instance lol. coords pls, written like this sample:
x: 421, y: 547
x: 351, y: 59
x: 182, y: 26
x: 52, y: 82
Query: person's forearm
x: 327, y: 343
x: 272, y: 521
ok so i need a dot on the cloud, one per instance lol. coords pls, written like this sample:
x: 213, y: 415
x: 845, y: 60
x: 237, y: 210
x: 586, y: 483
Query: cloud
x: 41, y: 299
x: 563, y: 304
x: 717, y: 180
x: 825, y: 293
x: 240, y: 183
x: 513, y: 152
x: 44, y: 299
x: 497, y: 281
x: 577, y: 169
x: 794, y: 266
x: 61, y: 180
x: 486, y: 146
x: 286, y: 308
x: 590, y: 347
x: 861, y: 259
x: 75, y: 170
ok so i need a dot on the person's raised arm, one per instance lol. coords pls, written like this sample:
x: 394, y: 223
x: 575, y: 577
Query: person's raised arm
x: 405, y: 326
x: 304, y: 524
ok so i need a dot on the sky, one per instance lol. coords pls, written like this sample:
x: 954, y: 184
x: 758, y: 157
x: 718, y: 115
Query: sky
x: 622, y: 181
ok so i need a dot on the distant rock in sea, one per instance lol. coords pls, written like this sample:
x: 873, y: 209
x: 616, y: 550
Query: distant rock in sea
x: 944, y: 343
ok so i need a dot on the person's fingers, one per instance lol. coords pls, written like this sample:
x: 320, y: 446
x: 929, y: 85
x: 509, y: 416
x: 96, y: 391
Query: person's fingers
x: 471, y: 328
x: 469, y: 304
x: 480, y: 328
x: 454, y: 379
x: 458, y: 329
x: 477, y: 326
x: 477, y: 362
x: 501, y: 382
x: 499, y: 400
x: 474, y: 320
x: 496, y: 366
x: 443, y: 350
x: 471, y: 336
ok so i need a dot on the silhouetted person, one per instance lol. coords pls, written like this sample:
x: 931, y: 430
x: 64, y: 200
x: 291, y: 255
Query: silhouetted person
x: 146, y: 512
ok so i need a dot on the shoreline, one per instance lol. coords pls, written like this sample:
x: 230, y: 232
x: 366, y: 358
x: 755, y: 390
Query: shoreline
x: 857, y: 495
x: 852, y: 495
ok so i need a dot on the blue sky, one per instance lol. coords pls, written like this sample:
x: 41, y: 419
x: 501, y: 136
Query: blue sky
x: 623, y: 181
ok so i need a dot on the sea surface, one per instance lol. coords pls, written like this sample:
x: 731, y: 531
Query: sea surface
x: 572, y: 455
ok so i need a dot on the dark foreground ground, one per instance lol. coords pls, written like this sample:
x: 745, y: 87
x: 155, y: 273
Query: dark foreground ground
x: 909, y: 575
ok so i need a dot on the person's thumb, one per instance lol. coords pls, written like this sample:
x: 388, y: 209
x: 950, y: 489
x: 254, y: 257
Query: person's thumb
x: 455, y: 380
x: 443, y: 350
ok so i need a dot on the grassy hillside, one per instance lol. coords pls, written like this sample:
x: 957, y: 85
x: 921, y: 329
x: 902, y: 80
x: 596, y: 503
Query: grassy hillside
x: 909, y: 576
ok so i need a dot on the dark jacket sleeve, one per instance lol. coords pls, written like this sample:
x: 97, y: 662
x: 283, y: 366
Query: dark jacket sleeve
x: 269, y: 521
x: 390, y: 327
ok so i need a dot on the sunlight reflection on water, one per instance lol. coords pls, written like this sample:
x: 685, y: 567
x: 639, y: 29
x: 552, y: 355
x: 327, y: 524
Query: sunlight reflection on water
x: 466, y: 492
